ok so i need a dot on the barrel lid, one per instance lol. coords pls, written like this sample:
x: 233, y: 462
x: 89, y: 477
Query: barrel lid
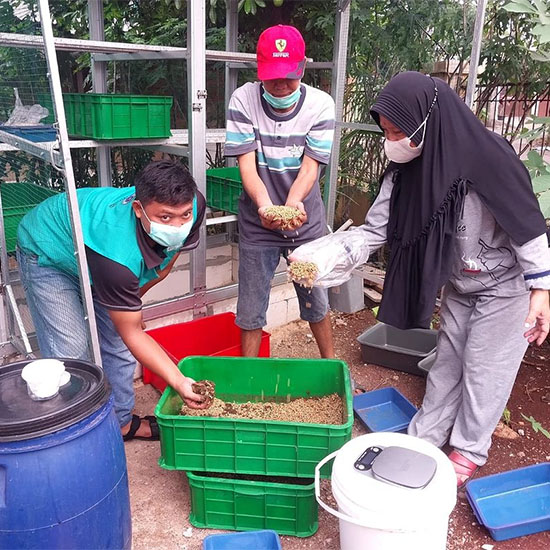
x: 359, y: 492
x: 23, y: 418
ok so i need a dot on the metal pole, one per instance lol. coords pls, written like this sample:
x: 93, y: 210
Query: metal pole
x: 74, y: 213
x: 338, y: 86
x: 231, y: 34
x: 5, y: 324
x: 476, y: 49
x: 196, y: 89
x: 99, y: 81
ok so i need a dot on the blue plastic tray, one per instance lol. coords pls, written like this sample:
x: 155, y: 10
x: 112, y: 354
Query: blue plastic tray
x: 32, y: 133
x: 384, y: 410
x: 251, y: 540
x: 514, y: 503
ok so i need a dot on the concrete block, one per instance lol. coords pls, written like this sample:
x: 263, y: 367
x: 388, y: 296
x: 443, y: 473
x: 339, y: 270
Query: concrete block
x: 282, y: 292
x: 225, y: 306
x: 181, y: 317
x: 293, y: 309
x: 175, y: 285
x: 220, y: 274
x: 276, y: 314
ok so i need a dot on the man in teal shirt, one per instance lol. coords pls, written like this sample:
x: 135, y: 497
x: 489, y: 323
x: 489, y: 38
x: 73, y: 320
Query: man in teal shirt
x: 133, y: 236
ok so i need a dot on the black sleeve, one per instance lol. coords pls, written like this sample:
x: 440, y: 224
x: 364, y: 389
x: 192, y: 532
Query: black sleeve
x: 192, y: 240
x: 114, y: 286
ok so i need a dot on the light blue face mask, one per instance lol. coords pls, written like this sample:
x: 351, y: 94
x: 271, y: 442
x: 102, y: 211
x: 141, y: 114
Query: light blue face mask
x: 283, y: 102
x: 170, y: 236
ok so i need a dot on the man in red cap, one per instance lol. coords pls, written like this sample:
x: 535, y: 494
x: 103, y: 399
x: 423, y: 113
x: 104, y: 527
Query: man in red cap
x: 281, y: 132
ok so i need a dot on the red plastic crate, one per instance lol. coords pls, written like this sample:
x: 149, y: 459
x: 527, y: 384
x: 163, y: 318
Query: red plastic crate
x: 214, y: 335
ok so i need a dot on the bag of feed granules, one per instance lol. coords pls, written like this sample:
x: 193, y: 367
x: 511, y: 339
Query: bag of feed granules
x: 330, y: 260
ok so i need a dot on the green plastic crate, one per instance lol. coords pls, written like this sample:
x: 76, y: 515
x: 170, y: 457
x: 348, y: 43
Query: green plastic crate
x: 45, y: 99
x: 17, y: 200
x: 243, y: 505
x: 113, y: 116
x: 223, y: 188
x: 246, y: 446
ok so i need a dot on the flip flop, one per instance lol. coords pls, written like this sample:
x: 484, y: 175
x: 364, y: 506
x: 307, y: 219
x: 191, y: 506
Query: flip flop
x: 465, y: 469
x: 136, y: 423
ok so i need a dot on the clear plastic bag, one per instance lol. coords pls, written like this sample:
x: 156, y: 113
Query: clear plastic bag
x: 26, y: 115
x: 336, y: 256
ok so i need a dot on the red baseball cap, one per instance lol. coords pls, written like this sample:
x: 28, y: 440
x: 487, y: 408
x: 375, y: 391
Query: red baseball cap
x: 281, y: 53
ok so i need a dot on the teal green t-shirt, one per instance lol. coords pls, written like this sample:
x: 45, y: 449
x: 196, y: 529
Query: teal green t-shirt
x: 108, y: 226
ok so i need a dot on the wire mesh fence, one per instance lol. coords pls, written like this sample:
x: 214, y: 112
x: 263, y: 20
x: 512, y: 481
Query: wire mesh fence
x: 28, y: 179
x: 25, y: 180
x: 511, y: 110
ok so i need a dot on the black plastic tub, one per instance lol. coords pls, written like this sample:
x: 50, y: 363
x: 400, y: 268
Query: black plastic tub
x: 398, y: 349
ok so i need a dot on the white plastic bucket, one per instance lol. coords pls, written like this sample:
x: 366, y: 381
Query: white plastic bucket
x: 375, y: 515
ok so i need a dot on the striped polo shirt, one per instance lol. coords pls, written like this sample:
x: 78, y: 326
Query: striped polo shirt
x: 280, y: 141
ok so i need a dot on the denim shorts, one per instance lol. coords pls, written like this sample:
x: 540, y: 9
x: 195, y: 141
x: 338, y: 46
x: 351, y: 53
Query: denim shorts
x: 55, y: 303
x: 257, y: 265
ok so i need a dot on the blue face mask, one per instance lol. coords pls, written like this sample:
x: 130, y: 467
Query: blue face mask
x: 283, y: 102
x: 170, y: 236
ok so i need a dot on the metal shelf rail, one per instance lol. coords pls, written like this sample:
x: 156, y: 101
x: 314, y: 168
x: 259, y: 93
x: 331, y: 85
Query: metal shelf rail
x: 190, y: 143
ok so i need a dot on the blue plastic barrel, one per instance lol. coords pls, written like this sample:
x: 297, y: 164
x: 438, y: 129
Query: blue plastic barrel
x: 63, y: 477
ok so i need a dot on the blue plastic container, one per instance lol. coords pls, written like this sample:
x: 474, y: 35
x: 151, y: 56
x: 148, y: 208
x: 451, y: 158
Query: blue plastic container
x: 512, y: 504
x: 32, y: 133
x: 384, y: 410
x: 251, y: 540
x: 63, y: 478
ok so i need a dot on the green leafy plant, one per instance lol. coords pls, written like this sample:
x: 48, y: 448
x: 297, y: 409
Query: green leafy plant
x: 538, y: 12
x: 251, y: 6
x: 506, y: 417
x: 537, y: 426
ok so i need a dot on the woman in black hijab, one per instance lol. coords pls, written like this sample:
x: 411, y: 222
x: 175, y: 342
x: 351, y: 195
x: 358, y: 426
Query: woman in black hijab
x: 456, y: 207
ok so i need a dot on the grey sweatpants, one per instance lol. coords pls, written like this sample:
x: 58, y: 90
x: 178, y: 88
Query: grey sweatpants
x: 479, y: 350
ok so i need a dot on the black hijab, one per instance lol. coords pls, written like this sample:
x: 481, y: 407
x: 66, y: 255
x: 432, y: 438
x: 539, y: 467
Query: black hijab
x: 428, y: 193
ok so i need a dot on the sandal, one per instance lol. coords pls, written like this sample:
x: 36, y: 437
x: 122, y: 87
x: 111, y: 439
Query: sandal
x: 134, y: 427
x: 464, y: 468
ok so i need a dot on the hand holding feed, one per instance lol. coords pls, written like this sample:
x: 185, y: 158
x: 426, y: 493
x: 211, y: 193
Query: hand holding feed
x: 192, y: 400
x: 330, y: 260
x: 286, y: 218
x: 299, y: 219
x: 268, y: 219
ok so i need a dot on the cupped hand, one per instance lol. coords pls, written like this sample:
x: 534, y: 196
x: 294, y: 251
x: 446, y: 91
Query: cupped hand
x: 539, y: 317
x: 192, y: 400
x: 297, y: 222
x: 268, y: 220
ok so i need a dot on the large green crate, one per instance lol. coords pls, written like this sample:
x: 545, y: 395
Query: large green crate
x: 243, y: 505
x: 223, y: 188
x: 246, y: 446
x: 114, y: 116
x: 17, y: 200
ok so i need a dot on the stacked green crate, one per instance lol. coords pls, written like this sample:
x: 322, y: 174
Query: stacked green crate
x: 17, y: 199
x: 114, y: 116
x: 223, y: 188
x: 287, y: 450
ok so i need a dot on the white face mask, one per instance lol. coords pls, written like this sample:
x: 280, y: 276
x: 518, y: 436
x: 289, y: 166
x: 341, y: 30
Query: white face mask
x: 169, y: 236
x: 400, y: 151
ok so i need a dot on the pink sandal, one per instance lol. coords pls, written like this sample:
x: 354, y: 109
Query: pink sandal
x: 464, y: 468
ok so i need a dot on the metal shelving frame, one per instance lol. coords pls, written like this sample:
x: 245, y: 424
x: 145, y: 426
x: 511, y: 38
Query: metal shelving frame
x: 190, y: 143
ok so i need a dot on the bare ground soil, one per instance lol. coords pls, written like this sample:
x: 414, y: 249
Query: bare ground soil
x: 160, y: 498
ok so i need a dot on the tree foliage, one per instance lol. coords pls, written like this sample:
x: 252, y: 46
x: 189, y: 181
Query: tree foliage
x: 386, y: 36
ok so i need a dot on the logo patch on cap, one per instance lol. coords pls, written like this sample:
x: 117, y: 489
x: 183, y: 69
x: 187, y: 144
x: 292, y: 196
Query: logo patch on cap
x: 280, y: 44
